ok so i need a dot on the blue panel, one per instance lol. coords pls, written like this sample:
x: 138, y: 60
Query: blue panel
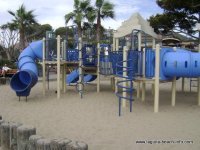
x: 149, y: 63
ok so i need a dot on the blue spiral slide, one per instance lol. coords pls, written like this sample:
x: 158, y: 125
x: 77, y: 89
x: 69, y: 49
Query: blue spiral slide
x: 27, y: 77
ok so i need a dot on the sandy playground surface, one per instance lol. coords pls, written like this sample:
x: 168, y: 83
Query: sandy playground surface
x: 94, y: 119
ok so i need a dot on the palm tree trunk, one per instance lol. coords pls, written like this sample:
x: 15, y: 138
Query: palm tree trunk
x: 22, y: 39
x: 98, y: 27
x: 79, y: 31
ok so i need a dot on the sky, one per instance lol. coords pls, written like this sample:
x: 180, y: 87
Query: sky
x: 53, y: 11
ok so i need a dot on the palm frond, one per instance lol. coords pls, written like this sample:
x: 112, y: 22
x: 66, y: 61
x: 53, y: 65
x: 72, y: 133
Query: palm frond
x: 69, y: 16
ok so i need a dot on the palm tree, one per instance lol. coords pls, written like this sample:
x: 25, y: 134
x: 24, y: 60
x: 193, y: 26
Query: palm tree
x: 82, y: 11
x: 22, y: 21
x: 104, y: 9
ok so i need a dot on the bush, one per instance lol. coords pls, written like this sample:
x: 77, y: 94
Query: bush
x: 10, y: 64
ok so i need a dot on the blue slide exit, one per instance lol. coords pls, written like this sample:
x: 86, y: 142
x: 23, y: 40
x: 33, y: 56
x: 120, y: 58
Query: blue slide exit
x: 27, y: 77
x: 73, y: 77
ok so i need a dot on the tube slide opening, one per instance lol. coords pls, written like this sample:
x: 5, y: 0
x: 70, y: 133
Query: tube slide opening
x: 21, y: 81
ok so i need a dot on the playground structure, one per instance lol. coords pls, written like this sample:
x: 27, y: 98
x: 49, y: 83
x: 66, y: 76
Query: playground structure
x: 159, y: 64
x: 138, y: 60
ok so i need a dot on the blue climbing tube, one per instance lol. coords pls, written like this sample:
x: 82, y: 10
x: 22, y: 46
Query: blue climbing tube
x: 174, y: 63
x: 181, y: 63
x: 27, y: 77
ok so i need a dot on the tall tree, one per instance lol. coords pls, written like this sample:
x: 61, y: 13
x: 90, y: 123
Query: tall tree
x: 103, y: 9
x: 82, y: 11
x: 180, y: 16
x: 22, y: 21
x: 9, y: 40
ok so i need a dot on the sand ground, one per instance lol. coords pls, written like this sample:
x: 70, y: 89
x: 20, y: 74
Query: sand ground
x: 94, y: 119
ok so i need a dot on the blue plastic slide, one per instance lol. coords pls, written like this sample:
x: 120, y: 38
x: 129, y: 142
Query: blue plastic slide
x: 73, y: 77
x: 27, y: 77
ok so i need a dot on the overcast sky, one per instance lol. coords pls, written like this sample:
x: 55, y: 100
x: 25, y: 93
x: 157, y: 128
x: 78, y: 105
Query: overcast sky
x: 53, y: 11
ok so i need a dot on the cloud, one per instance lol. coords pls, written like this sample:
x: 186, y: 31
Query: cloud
x: 53, y: 11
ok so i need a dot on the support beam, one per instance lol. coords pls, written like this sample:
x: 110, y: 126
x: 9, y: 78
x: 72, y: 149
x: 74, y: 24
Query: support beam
x: 174, y: 91
x: 199, y: 86
x: 98, y: 69
x: 116, y: 87
x: 114, y: 44
x: 143, y: 72
x: 124, y: 74
x: 139, y: 41
x: 80, y: 87
x: 138, y: 89
x: 174, y: 88
x: 65, y: 65
x: 143, y: 90
x: 183, y: 84
x: 58, y: 67
x: 117, y: 44
x: 43, y: 68
x: 157, y: 78
x: 153, y: 43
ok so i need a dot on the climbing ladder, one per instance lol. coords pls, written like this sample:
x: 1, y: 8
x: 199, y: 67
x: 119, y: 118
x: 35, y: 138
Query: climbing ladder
x: 127, y: 75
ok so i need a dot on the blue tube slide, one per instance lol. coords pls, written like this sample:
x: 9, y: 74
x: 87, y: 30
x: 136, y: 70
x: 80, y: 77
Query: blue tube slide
x: 73, y: 77
x: 27, y: 77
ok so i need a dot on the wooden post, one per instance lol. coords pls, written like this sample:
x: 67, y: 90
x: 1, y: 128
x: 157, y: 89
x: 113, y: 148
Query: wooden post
x: 157, y: 78
x: 114, y: 44
x: 43, y: 68
x: 65, y: 65
x: 13, y: 134
x: 143, y: 72
x: 77, y: 146
x: 80, y: 87
x: 98, y: 69
x: 116, y: 87
x: 59, y: 144
x: 124, y: 73
x: 138, y: 89
x: 5, y: 136
x: 43, y: 144
x: 23, y: 134
x: 173, y: 89
x: 1, y: 122
x: 117, y: 44
x: 199, y: 86
x: 183, y: 84
x: 58, y: 67
x: 33, y: 141
x: 153, y: 43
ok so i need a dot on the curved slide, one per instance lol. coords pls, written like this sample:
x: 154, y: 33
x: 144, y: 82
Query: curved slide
x: 27, y: 77
x: 73, y: 77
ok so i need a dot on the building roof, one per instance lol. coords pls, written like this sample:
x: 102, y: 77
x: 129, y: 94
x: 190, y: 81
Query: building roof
x: 135, y: 22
